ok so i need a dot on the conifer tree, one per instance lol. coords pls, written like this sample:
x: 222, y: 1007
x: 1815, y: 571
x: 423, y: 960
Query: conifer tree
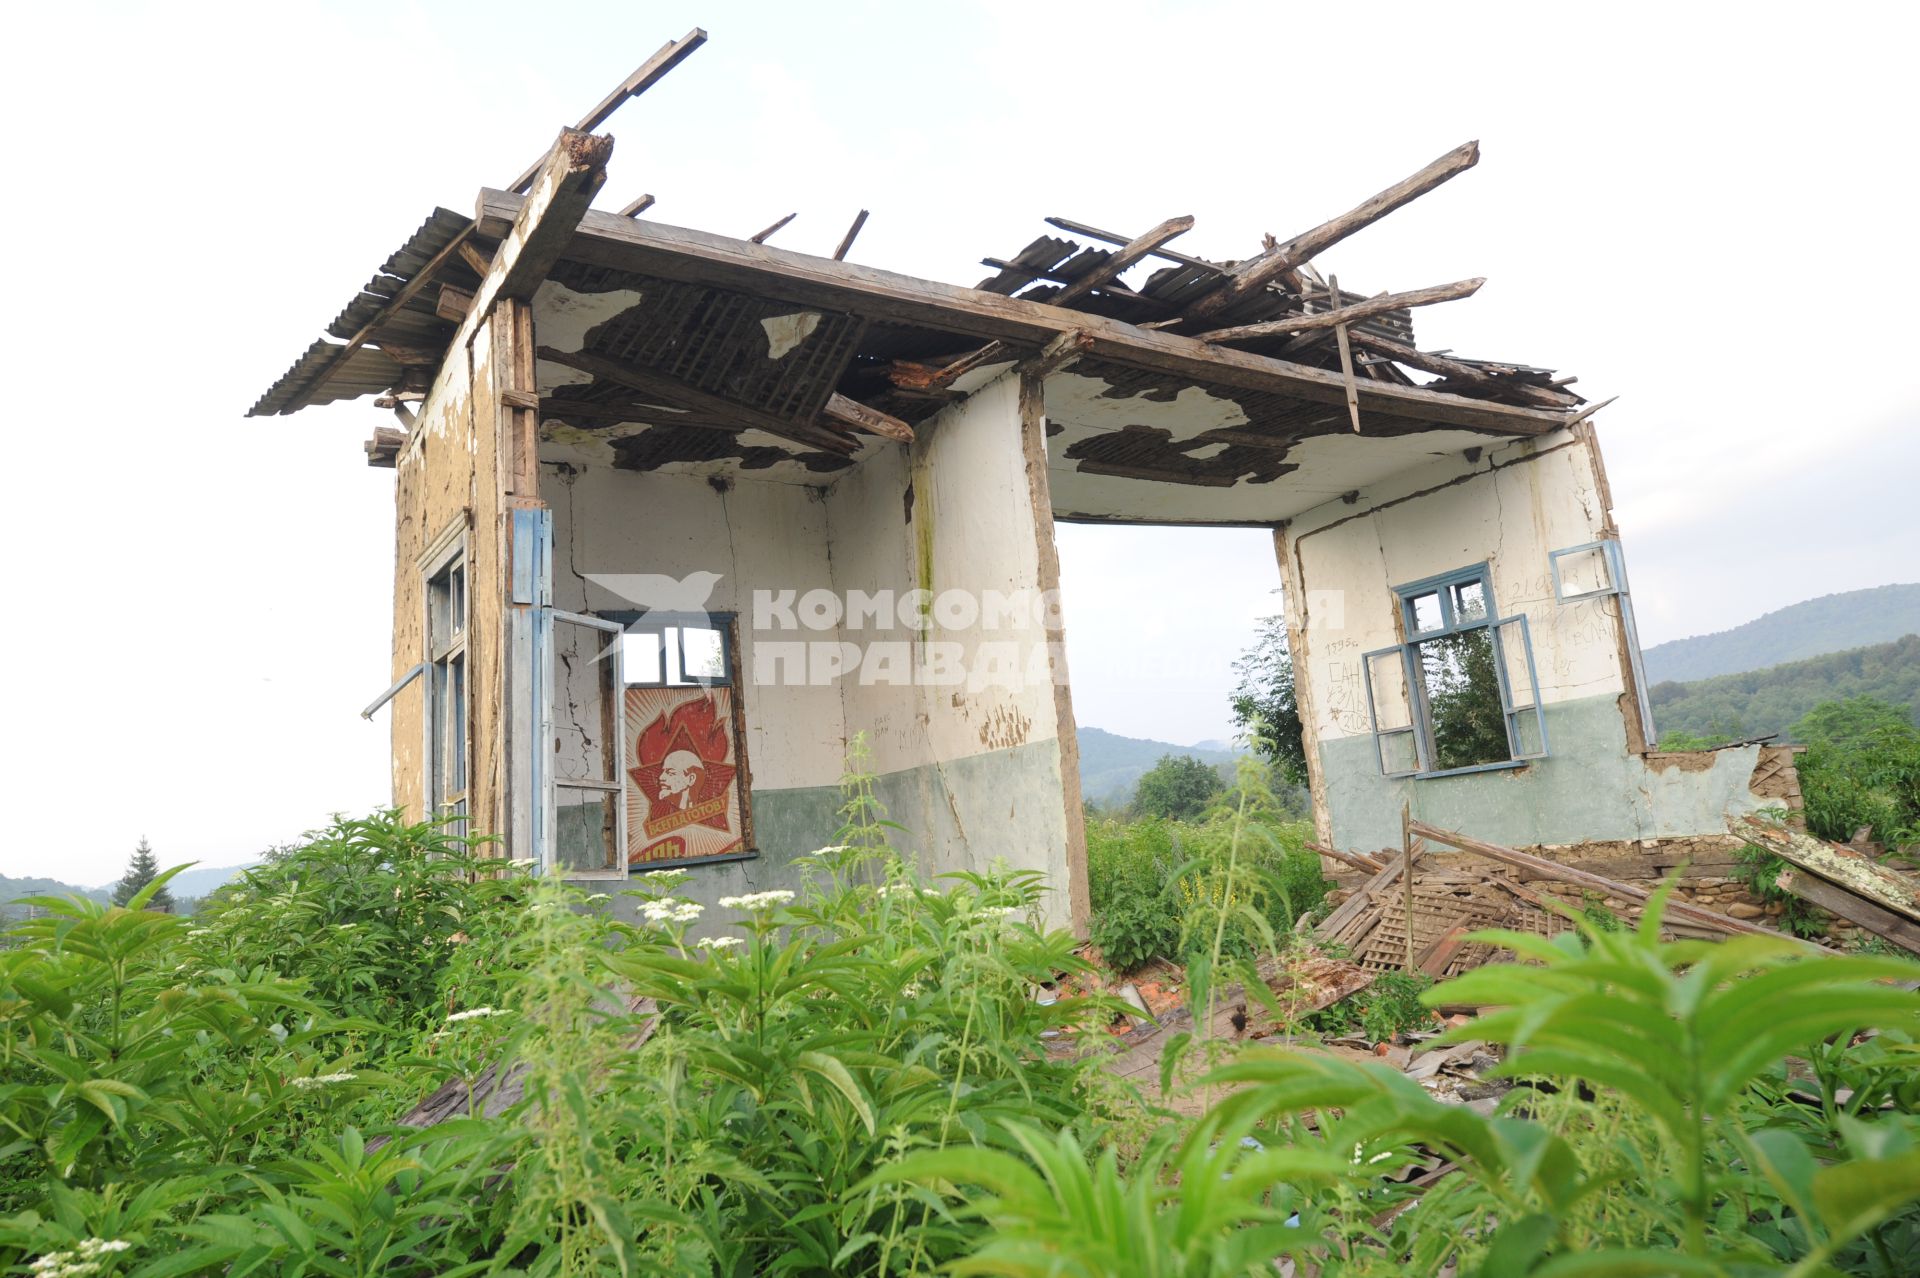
x: 140, y: 872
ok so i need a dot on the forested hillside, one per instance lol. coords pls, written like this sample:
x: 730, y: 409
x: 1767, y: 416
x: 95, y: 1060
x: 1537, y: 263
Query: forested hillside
x: 1829, y: 624
x: 1772, y: 700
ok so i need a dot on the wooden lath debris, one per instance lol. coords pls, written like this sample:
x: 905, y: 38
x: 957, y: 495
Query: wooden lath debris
x: 1843, y: 881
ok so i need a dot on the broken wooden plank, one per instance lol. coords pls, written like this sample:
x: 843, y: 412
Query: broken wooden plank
x: 1456, y: 371
x: 645, y: 76
x: 1434, y: 959
x: 1346, y: 360
x: 853, y: 232
x: 1352, y: 313
x: 1852, y: 907
x: 1845, y: 867
x: 1302, y: 985
x: 1569, y: 874
x: 1129, y: 253
x: 1253, y: 275
x: 563, y: 188
x: 1160, y: 250
x: 685, y: 396
x: 854, y: 415
x: 383, y: 450
x: 761, y: 237
x: 453, y: 304
x: 1358, y: 860
x: 676, y: 253
x: 638, y: 207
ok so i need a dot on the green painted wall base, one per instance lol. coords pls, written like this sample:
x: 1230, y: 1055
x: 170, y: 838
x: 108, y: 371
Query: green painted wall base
x: 1591, y: 788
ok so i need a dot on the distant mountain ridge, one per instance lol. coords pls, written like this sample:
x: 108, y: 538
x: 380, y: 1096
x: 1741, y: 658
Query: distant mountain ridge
x: 1758, y: 702
x: 184, y: 886
x: 1111, y: 765
x: 1814, y: 628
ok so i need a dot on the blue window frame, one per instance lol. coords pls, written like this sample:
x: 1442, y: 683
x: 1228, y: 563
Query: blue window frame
x: 1597, y: 570
x: 1460, y: 694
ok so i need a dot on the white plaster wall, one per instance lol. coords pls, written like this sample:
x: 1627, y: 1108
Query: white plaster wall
x: 757, y: 535
x: 1509, y: 508
x: 973, y: 527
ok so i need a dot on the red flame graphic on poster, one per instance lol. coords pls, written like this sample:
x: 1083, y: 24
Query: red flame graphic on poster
x: 684, y: 802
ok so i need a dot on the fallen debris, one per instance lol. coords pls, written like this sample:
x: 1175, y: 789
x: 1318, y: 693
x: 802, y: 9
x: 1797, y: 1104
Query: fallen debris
x: 1842, y: 880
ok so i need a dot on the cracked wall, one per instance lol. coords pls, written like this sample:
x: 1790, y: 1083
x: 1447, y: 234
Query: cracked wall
x: 1509, y: 507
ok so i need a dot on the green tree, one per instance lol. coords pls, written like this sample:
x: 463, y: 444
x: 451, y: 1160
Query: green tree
x: 140, y: 872
x: 1861, y: 767
x: 1263, y: 702
x: 1178, y: 787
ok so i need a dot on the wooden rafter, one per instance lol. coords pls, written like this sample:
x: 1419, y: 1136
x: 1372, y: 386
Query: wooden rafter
x: 678, y: 253
x: 1456, y: 371
x: 853, y: 232
x: 1249, y: 277
x: 761, y: 237
x: 638, y: 207
x: 851, y: 414
x: 1129, y: 253
x: 1353, y: 313
x: 562, y: 190
x: 681, y: 395
x: 1072, y: 227
x: 644, y: 77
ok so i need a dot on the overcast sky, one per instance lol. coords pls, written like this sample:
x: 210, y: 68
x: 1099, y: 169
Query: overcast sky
x: 1705, y: 210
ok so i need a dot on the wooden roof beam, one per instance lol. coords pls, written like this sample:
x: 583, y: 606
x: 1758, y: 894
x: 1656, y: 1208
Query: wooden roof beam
x: 680, y: 394
x: 1352, y: 313
x: 761, y: 237
x: 644, y: 77
x: 851, y: 414
x: 572, y: 174
x: 1254, y: 274
x: 1129, y: 253
x: 1465, y: 374
x: 699, y: 257
x: 1072, y: 227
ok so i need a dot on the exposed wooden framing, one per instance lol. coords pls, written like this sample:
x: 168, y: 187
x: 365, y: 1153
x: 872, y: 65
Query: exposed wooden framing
x: 1590, y: 409
x: 564, y: 187
x: 1353, y: 409
x: 648, y: 412
x: 1095, y: 233
x: 1358, y: 860
x: 1118, y: 471
x: 1454, y: 370
x: 514, y: 397
x: 1053, y: 276
x: 699, y: 401
x: 644, y: 77
x: 1126, y: 256
x: 383, y: 450
x: 453, y: 304
x: 401, y: 296
x: 1061, y: 353
x: 761, y: 237
x: 853, y: 233
x: 854, y: 415
x: 477, y: 259
x: 1676, y: 908
x: 676, y: 253
x: 1248, y: 278
x: 638, y: 207
x: 1855, y: 909
x: 1352, y: 313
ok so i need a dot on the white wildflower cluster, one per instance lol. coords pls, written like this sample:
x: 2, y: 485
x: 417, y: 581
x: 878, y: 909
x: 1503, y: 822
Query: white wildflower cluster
x: 664, y: 878
x: 78, y: 1262
x: 832, y: 850
x: 718, y: 942
x: 671, y: 911
x: 598, y: 896
x: 523, y: 862
x: 907, y: 889
x: 322, y: 1080
x: 1359, y: 1151
x: 757, y: 901
x: 1002, y: 911
x: 474, y: 1014
x: 198, y: 931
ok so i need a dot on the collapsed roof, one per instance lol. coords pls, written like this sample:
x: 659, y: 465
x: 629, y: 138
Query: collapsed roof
x: 665, y: 348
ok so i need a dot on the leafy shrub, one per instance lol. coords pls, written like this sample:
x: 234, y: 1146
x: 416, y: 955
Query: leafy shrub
x: 1178, y: 787
x: 1663, y: 1149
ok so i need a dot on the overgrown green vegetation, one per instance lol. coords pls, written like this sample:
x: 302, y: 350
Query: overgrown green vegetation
x: 1177, y: 788
x: 860, y: 1080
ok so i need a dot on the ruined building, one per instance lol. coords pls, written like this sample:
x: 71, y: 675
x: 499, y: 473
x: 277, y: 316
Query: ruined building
x: 678, y: 514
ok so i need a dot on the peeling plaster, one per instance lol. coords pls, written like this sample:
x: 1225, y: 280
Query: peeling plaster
x: 786, y: 332
x: 562, y: 318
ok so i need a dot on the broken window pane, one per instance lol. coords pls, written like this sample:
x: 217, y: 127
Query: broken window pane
x: 1423, y: 611
x: 585, y: 829
x: 702, y: 656
x: 584, y: 704
x: 1583, y: 572
x: 1387, y: 683
x: 1397, y: 753
x: 1469, y: 602
x: 1467, y: 720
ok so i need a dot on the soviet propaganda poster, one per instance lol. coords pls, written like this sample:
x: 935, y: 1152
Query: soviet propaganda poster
x: 684, y: 777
